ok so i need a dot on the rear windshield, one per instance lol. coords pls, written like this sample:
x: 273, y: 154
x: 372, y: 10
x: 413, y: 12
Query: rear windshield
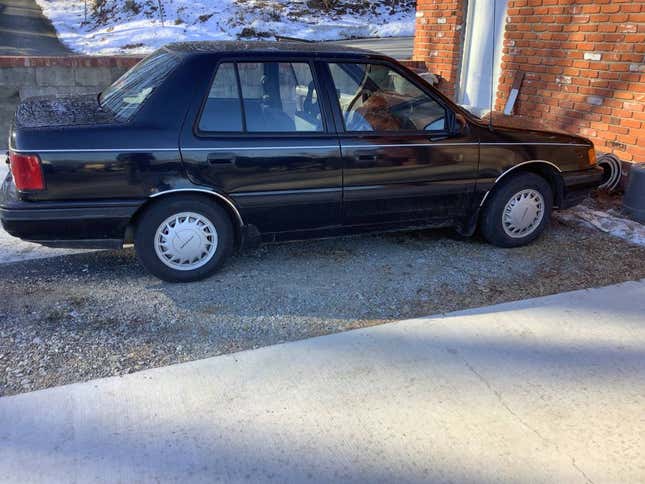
x: 127, y: 94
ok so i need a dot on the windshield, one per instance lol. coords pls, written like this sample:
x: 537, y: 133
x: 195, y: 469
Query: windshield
x: 127, y: 94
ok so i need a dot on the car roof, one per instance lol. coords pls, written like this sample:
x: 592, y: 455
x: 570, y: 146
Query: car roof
x: 266, y: 47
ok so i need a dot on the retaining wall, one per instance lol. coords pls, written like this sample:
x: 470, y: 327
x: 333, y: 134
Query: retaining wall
x: 22, y: 77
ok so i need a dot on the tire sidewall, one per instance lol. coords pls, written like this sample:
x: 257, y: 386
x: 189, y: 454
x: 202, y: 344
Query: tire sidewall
x: 492, y: 227
x: 154, y: 216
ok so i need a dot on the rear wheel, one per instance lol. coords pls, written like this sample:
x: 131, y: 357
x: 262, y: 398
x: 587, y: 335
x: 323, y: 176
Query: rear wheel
x: 518, y: 211
x: 183, y: 239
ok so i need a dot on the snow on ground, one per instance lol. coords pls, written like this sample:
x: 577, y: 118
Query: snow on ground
x: 134, y: 26
x: 14, y: 250
x: 609, y: 222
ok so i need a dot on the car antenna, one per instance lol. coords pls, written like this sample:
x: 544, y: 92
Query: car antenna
x: 492, y: 72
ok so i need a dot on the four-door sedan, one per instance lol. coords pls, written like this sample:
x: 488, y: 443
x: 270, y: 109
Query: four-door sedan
x: 202, y: 147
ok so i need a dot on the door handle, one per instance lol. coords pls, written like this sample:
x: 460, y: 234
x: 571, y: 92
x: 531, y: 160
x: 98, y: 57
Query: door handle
x: 372, y: 157
x: 218, y: 159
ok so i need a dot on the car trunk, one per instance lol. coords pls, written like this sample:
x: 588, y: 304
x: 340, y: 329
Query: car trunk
x: 52, y: 111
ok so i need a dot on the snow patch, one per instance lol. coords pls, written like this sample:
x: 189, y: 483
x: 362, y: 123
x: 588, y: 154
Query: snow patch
x: 124, y: 30
x: 609, y: 222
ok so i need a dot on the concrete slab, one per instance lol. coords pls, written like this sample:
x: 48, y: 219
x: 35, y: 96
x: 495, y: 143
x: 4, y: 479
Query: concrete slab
x: 543, y: 390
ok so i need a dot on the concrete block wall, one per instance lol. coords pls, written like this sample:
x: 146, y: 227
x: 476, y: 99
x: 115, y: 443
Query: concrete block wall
x: 23, y: 77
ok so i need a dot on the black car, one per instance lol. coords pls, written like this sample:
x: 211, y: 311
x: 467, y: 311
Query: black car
x: 202, y: 147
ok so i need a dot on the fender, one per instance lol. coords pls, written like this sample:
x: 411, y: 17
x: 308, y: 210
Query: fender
x: 509, y: 170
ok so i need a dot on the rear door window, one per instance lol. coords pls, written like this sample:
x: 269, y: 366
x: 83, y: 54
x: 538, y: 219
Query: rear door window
x: 222, y: 111
x: 278, y: 97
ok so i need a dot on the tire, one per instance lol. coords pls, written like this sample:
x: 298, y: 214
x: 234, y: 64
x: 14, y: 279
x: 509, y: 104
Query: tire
x: 196, y: 251
x: 518, y: 211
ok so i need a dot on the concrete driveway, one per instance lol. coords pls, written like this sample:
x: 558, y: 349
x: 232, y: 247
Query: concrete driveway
x: 543, y: 390
x: 24, y: 30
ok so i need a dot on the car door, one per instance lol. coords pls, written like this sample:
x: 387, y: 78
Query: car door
x: 406, y: 159
x: 261, y: 137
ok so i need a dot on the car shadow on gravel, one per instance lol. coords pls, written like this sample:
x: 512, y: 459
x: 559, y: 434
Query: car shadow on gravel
x: 98, y: 314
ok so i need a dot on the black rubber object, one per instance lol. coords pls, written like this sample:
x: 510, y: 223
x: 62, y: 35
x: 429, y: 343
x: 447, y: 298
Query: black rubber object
x: 491, y: 219
x: 634, y: 199
x: 159, y: 211
x: 613, y: 172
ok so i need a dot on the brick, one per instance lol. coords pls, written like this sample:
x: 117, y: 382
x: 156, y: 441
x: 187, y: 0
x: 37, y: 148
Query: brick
x: 594, y: 56
x: 594, y: 100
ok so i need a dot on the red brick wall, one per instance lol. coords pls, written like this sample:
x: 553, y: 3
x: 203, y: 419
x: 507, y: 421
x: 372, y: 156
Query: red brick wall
x: 438, y: 39
x: 585, y: 69
x: 584, y: 64
x: 70, y: 61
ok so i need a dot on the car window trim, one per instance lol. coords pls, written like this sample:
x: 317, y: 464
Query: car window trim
x: 198, y: 133
x: 343, y: 132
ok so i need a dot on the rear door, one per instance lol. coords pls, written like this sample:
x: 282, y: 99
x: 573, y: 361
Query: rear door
x: 404, y: 161
x: 262, y: 138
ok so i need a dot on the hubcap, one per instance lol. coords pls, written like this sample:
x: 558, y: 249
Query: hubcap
x: 523, y: 213
x: 186, y: 241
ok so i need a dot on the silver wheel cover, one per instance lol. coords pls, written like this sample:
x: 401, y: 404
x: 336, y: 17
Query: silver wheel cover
x: 523, y: 213
x: 185, y: 241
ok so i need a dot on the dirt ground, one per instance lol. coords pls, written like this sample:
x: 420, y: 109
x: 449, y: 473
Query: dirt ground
x: 90, y: 315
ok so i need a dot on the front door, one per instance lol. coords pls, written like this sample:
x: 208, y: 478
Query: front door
x: 404, y: 161
x: 262, y: 139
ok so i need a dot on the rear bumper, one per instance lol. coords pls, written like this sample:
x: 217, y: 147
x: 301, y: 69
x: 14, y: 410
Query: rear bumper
x: 578, y: 184
x: 90, y: 224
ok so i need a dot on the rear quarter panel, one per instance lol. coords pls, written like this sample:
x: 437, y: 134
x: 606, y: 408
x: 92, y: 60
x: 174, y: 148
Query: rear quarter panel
x: 120, y: 160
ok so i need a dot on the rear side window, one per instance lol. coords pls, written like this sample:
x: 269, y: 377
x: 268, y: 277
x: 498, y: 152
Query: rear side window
x: 127, y: 94
x: 278, y: 97
x: 222, y: 111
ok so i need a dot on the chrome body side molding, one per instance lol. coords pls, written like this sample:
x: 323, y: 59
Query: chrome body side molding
x: 506, y: 172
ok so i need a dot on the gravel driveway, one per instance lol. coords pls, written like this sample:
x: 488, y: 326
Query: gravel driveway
x: 89, y: 315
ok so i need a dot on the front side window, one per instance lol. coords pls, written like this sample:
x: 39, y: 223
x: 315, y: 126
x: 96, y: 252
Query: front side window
x: 275, y: 97
x: 375, y: 97
x: 126, y: 95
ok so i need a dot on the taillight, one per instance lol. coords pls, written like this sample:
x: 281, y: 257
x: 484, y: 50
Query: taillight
x: 27, y: 172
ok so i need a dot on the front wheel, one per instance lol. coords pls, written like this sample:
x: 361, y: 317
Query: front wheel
x: 183, y: 239
x: 518, y: 211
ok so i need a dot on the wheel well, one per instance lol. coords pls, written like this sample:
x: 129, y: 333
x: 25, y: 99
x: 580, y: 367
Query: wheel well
x: 234, y: 217
x: 543, y: 169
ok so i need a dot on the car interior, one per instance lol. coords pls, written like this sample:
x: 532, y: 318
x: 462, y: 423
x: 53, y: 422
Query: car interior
x: 277, y: 97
